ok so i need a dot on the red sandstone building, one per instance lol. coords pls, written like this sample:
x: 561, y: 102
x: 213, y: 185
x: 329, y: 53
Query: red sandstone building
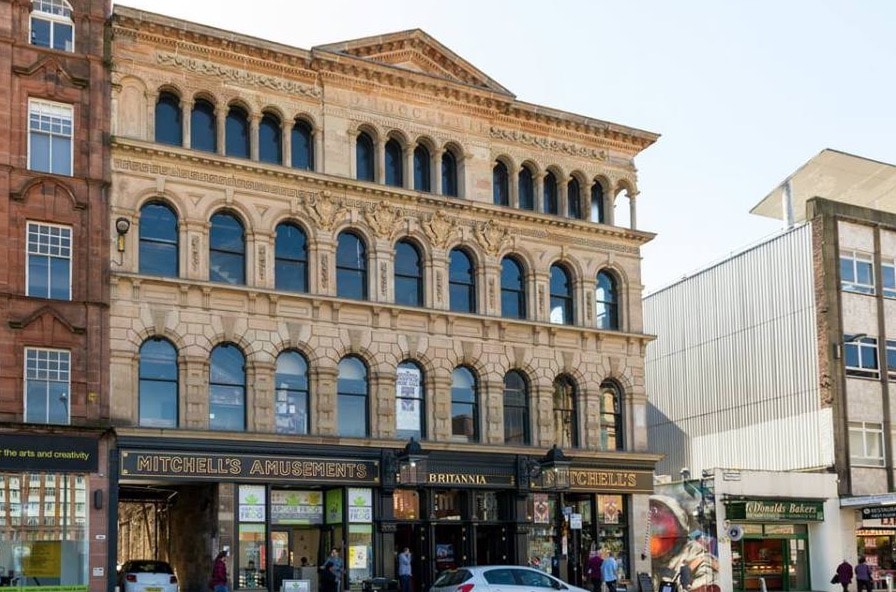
x: 54, y: 124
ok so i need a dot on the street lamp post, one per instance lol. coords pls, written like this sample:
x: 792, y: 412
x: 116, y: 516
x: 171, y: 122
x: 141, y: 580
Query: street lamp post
x: 555, y: 477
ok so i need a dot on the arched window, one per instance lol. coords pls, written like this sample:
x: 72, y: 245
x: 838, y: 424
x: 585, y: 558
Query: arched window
x: 227, y: 250
x: 158, y: 240
x: 606, y: 302
x: 158, y: 384
x: 270, y: 140
x: 551, y: 205
x: 52, y: 25
x: 410, y: 404
x: 203, y: 127
x: 573, y: 199
x: 422, y: 175
x: 169, y: 129
x: 513, y: 289
x: 351, y: 399
x: 449, y: 174
x: 464, y: 405
x: 561, y: 296
x: 351, y: 267
x: 516, y: 409
x: 566, y: 417
x: 611, y: 435
x: 597, y: 203
x: 364, y: 161
x: 302, y: 141
x: 236, y: 133
x: 227, y: 389
x: 500, y: 184
x: 291, y: 402
x: 408, y: 274
x: 394, y: 163
x: 291, y: 259
x: 461, y: 282
x: 526, y: 189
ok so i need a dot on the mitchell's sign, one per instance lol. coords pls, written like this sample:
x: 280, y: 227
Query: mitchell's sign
x: 606, y: 480
x: 245, y: 467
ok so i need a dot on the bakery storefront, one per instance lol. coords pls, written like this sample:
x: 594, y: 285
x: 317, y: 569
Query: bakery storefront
x: 773, y: 545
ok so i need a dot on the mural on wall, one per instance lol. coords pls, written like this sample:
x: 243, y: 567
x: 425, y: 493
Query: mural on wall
x: 683, y: 535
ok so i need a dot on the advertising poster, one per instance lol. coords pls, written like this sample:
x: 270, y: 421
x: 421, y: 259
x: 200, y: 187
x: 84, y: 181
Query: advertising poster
x: 541, y: 510
x: 407, y: 399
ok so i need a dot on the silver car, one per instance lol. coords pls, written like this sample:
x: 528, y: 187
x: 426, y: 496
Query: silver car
x: 499, y: 578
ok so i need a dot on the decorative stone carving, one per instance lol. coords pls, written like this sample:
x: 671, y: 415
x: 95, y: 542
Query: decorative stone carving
x: 262, y: 262
x: 438, y: 286
x: 324, y: 271
x: 324, y: 209
x: 546, y: 143
x: 241, y: 77
x: 194, y: 252
x: 383, y: 284
x: 492, y: 236
x: 440, y: 229
x: 382, y: 218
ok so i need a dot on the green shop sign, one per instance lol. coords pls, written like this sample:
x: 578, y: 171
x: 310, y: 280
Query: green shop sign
x: 775, y: 510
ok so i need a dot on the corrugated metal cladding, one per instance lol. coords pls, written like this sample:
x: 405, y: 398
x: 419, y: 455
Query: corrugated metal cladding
x: 732, y: 377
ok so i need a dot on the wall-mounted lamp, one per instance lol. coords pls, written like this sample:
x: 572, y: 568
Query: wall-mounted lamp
x: 122, y: 225
x: 98, y: 499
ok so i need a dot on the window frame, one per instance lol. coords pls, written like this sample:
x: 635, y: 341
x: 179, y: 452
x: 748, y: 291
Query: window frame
x: 550, y: 194
x: 214, y: 386
x: 198, y: 141
x: 461, y: 283
x: 574, y: 199
x: 450, y: 182
x: 34, y: 358
x: 237, y: 133
x: 359, y: 271
x: 170, y: 133
x: 566, y: 415
x: 404, y: 395
x: 144, y: 379
x: 566, y: 301
x: 597, y: 204
x: 865, y: 430
x: 607, y: 308
x: 304, y: 130
x: 519, y: 294
x: 516, y: 410
x: 888, y: 278
x: 270, y: 149
x: 863, y: 351
x: 855, y: 259
x: 59, y: 117
x: 500, y: 184
x: 287, y: 396
x: 345, y: 396
x: 44, y: 229
x: 54, y: 20
x: 613, y: 418
x: 365, y: 154
x: 472, y: 405
x: 404, y: 279
x: 394, y: 163
x: 154, y: 245
x: 218, y: 250
x: 297, y: 260
x: 526, y: 189
x: 422, y: 169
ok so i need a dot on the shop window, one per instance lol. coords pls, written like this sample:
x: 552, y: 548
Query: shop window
x: 227, y: 389
x: 551, y: 205
x: 47, y: 386
x: 352, y: 399
x: 227, y: 250
x: 422, y: 175
x: 50, y: 137
x: 408, y: 274
x: 562, y: 312
x: 856, y: 272
x: 409, y: 402
x: 52, y: 25
x: 610, y: 433
x: 359, y: 559
x: 860, y: 356
x: 158, y: 386
x: 291, y: 259
x: 449, y: 174
x: 270, y: 139
x: 236, y: 133
x: 169, y: 129
x: 526, y: 187
x: 513, y: 289
x: 566, y: 433
x: 516, y: 409
x: 866, y: 444
x: 461, y: 282
x: 406, y: 504
x: 291, y: 394
x: 573, y: 199
x: 302, y: 145
x: 606, y: 302
x: 250, y: 565
x: 464, y: 405
x: 203, y: 127
x: 158, y: 240
x: 49, y: 261
x: 351, y: 267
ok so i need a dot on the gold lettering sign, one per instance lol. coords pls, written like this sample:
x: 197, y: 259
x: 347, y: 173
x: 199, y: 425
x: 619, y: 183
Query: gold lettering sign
x: 457, y: 479
x: 242, y: 467
x: 611, y: 480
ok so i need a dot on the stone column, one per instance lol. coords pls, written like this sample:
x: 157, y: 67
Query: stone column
x: 149, y: 134
x: 538, y: 191
x: 513, y: 186
x: 220, y: 128
x: 186, y: 120
x: 408, y: 180
x: 254, y: 124
x: 353, y: 150
x: 435, y: 172
x: 286, y: 142
x: 379, y: 160
x: 562, y: 206
x: 632, y: 209
x: 260, y: 396
x: 317, y: 139
x: 323, y: 408
x: 439, y: 409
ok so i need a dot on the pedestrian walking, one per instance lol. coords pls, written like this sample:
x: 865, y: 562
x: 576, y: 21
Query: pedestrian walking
x: 335, y: 561
x: 608, y: 571
x: 404, y: 570
x: 863, y: 576
x: 594, y: 570
x: 844, y: 575
x: 218, y: 581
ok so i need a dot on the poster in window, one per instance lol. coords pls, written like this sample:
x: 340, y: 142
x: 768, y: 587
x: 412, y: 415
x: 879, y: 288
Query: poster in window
x: 407, y: 398
x: 611, y: 506
x: 541, y: 511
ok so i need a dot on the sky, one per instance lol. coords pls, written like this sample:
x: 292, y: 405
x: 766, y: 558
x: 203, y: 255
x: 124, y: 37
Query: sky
x: 742, y: 92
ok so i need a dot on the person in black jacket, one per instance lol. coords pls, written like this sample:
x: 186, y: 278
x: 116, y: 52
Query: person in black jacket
x: 328, y: 579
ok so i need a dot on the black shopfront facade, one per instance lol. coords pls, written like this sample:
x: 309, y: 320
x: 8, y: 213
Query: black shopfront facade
x: 279, y: 507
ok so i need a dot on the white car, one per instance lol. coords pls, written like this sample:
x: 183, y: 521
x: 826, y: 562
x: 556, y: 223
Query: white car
x: 146, y: 575
x: 499, y: 578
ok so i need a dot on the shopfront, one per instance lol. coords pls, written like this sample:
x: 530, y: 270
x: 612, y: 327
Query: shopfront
x: 771, y: 542
x: 876, y: 540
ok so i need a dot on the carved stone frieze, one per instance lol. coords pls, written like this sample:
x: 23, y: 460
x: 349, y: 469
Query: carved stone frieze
x: 383, y: 219
x: 242, y: 77
x: 324, y: 272
x: 324, y: 209
x: 546, y: 143
x: 440, y: 229
x: 492, y: 236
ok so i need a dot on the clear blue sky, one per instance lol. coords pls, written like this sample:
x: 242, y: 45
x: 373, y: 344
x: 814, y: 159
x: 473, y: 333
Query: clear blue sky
x: 743, y: 92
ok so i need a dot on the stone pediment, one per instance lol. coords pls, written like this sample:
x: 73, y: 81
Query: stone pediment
x: 415, y: 51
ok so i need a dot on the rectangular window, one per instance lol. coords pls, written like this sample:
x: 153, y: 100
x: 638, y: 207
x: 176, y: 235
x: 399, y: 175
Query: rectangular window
x: 50, y: 137
x: 860, y: 354
x: 49, y: 261
x: 856, y: 272
x: 891, y: 358
x: 866, y: 443
x: 47, y: 386
x: 888, y: 278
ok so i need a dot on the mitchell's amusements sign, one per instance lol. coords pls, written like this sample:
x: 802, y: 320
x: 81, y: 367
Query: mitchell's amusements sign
x: 246, y: 467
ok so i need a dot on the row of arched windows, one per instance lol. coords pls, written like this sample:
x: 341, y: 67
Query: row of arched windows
x: 159, y: 392
x: 273, y: 131
x: 159, y: 255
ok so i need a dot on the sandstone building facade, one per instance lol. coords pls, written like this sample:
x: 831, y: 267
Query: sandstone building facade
x: 357, y: 292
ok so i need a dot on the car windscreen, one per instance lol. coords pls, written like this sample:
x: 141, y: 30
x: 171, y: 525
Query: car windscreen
x: 452, y: 578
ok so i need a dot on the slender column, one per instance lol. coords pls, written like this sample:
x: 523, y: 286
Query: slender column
x: 538, y: 190
x: 286, y: 143
x: 254, y: 125
x: 633, y: 210
x: 151, y: 99
x: 380, y: 161
x: 435, y: 172
x: 513, y: 185
x: 221, y: 116
x: 408, y: 179
x: 318, y: 138
x: 562, y: 208
x: 353, y: 149
x: 186, y: 117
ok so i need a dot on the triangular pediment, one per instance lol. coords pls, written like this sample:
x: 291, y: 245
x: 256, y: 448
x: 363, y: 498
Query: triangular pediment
x: 416, y: 51
x: 53, y: 66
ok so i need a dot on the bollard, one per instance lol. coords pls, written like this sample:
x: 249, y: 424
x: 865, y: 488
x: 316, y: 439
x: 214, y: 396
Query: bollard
x: 762, y: 586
